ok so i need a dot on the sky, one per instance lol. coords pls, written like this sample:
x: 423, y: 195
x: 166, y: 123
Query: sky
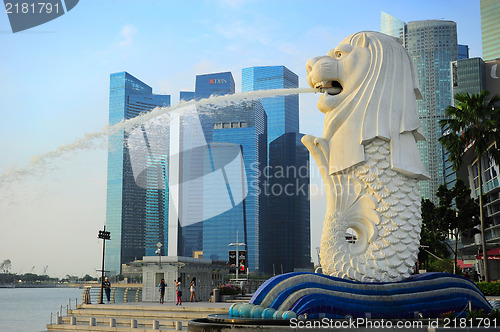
x: 55, y: 90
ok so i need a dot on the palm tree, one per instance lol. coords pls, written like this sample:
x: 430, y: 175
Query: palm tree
x: 473, y: 120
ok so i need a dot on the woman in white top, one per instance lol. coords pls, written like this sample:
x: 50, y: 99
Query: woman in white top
x: 193, y: 290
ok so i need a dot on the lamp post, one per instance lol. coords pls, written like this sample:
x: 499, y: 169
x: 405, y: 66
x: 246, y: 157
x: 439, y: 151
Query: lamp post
x: 104, y: 236
x: 237, y: 254
x: 158, y: 252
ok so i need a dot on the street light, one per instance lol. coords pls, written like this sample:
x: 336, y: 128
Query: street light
x: 237, y: 244
x: 158, y: 252
x: 104, y: 236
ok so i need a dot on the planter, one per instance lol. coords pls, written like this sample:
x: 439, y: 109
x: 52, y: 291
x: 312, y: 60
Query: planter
x: 224, y: 298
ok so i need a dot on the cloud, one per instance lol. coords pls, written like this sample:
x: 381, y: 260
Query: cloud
x: 231, y: 3
x: 243, y: 32
x: 128, y: 32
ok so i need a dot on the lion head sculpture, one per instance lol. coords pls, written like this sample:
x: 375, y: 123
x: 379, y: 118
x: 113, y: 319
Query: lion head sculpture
x: 371, y: 90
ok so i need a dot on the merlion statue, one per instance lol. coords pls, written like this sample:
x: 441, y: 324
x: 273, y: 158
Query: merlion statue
x: 368, y: 157
x: 370, y: 164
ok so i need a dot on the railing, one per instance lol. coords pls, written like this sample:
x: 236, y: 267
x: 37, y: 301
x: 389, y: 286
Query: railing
x: 59, y: 314
x: 92, y: 294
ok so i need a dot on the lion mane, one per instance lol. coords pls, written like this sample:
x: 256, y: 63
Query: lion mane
x: 383, y: 106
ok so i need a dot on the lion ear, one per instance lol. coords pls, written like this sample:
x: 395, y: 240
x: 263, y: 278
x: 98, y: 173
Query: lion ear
x: 362, y: 40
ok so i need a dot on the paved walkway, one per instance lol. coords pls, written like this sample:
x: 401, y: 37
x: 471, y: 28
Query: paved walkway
x: 201, y: 304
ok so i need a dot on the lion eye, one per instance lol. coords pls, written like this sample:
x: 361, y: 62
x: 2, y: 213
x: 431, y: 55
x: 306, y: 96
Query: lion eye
x: 338, y: 54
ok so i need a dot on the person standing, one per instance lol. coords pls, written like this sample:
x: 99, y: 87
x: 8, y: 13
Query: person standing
x: 178, y: 291
x: 107, y: 288
x: 193, y: 290
x: 161, y: 288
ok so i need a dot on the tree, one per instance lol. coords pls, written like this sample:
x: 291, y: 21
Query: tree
x: 6, y: 266
x: 432, y: 241
x: 472, y: 121
x: 457, y: 214
x: 88, y: 278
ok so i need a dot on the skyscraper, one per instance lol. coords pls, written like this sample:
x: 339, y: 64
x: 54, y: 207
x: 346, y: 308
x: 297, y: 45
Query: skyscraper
x: 186, y: 95
x: 193, y: 193
x: 216, y: 84
x: 286, y: 234
x: 393, y: 26
x: 285, y: 241
x: 490, y: 25
x: 467, y: 76
x: 219, y: 187
x: 432, y: 45
x: 282, y: 111
x: 245, y: 126
x: 471, y: 76
x: 135, y: 212
x: 463, y: 52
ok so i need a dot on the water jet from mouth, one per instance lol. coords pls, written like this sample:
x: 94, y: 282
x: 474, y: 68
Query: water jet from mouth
x: 94, y: 140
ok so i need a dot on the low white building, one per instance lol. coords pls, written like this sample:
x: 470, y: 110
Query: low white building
x: 208, y: 273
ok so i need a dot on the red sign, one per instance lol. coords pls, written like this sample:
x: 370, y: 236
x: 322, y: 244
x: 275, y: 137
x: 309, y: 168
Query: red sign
x: 217, y: 81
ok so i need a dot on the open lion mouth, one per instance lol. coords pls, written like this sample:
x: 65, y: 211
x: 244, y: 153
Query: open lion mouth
x: 331, y: 87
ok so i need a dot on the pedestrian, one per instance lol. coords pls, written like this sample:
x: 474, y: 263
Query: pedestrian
x: 242, y: 284
x: 178, y: 291
x: 107, y: 288
x: 161, y: 288
x: 193, y: 290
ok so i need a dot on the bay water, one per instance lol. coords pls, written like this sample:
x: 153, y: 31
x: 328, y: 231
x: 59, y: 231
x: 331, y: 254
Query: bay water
x: 28, y: 309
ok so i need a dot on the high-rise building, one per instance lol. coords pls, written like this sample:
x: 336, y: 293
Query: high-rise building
x: 216, y: 84
x: 450, y: 175
x: 244, y: 126
x: 286, y: 234
x: 463, y: 52
x: 222, y: 174
x: 432, y: 45
x: 490, y: 25
x: 186, y: 95
x: 467, y: 76
x: 282, y: 111
x: 472, y: 76
x: 135, y: 212
x: 393, y: 26
x: 194, y: 162
x: 285, y: 242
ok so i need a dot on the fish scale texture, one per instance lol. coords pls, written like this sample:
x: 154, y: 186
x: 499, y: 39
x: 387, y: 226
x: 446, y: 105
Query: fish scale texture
x: 383, y: 207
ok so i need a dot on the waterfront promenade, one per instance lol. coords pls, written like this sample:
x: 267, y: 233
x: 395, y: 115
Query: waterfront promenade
x: 138, y: 316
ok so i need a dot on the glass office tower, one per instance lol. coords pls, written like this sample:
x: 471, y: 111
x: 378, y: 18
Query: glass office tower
x: 490, y: 25
x: 463, y: 52
x: 286, y: 234
x: 467, y: 76
x: 282, y: 111
x: 432, y: 45
x: 193, y: 193
x: 285, y: 242
x: 135, y: 212
x: 393, y: 26
x: 186, y: 95
x: 216, y: 84
x: 244, y: 125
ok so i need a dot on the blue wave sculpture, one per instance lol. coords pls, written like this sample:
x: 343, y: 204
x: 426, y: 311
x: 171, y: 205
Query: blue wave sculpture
x: 317, y: 296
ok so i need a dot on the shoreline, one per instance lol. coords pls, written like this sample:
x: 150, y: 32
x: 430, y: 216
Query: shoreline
x: 62, y: 285
x: 37, y: 285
